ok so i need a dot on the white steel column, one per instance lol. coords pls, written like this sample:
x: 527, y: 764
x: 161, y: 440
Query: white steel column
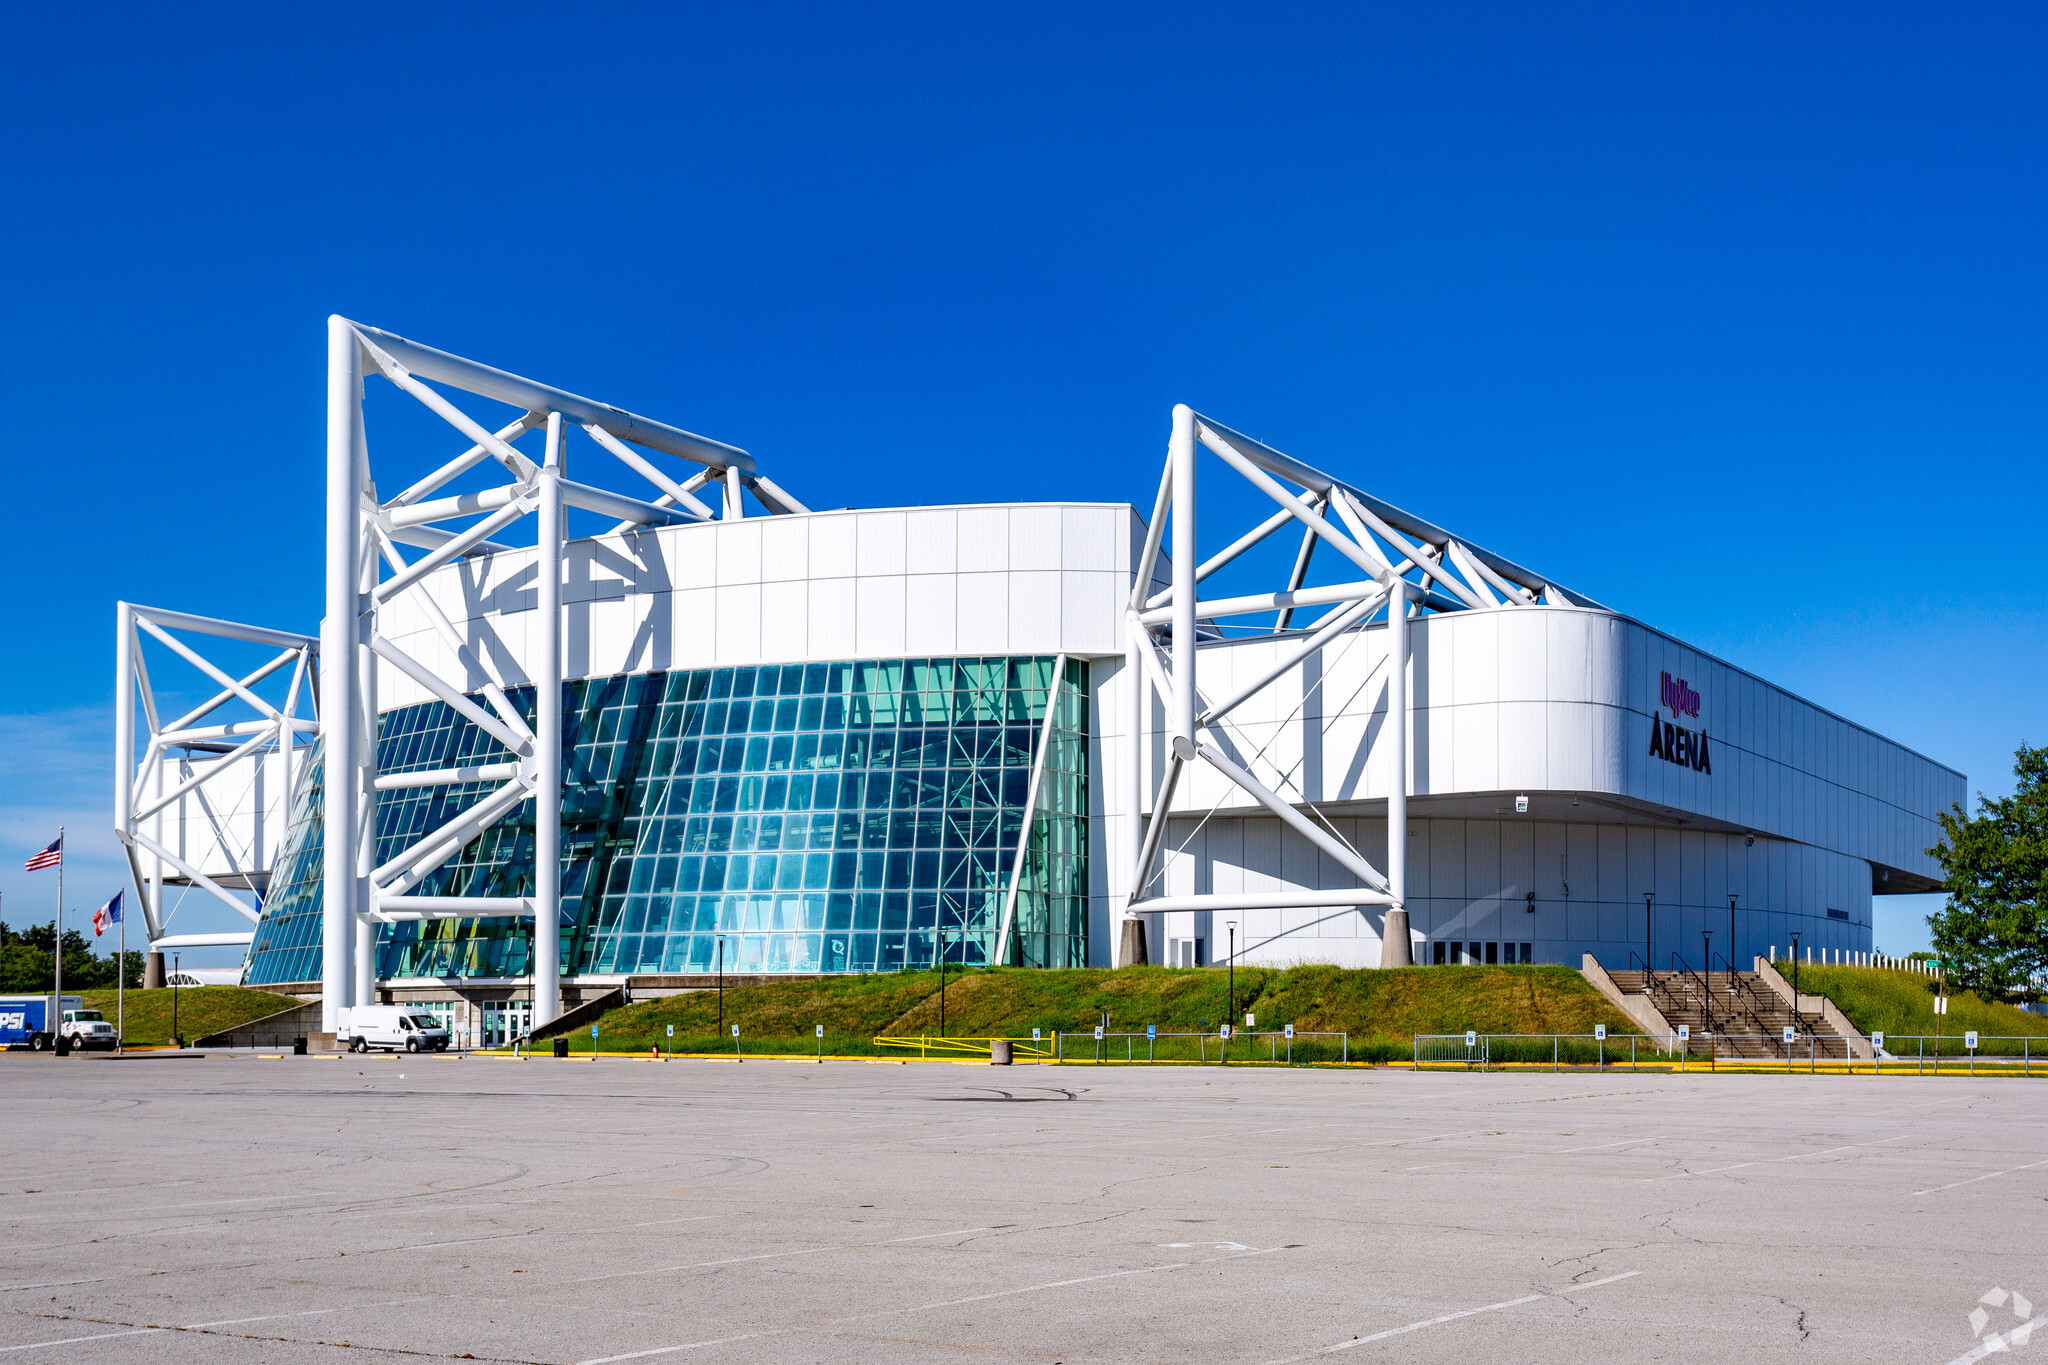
x: 1134, y: 776
x: 124, y: 724
x: 338, y: 680
x: 1395, y: 949
x: 363, y: 948
x: 1185, y: 559
x: 547, y: 749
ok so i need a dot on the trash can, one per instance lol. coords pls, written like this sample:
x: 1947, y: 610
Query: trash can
x: 63, y: 1045
x: 999, y: 1052
x: 562, y: 1047
x: 299, y: 1046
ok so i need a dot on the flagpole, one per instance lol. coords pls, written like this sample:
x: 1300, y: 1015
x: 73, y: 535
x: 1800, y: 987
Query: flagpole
x: 121, y: 985
x: 60, y: 930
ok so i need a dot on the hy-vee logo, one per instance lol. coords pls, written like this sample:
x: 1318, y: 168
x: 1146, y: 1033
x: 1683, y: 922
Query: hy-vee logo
x: 1674, y: 743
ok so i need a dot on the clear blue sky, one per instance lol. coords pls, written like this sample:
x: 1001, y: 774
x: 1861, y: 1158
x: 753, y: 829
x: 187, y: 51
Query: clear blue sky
x: 1728, y: 315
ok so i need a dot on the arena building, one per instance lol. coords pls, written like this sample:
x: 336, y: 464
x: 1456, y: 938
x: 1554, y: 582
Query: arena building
x: 801, y: 741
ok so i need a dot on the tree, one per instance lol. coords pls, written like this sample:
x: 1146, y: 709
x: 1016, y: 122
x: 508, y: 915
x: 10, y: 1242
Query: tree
x: 1994, y: 929
x: 26, y: 966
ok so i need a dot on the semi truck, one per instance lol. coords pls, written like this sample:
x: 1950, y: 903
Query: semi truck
x: 30, y: 1021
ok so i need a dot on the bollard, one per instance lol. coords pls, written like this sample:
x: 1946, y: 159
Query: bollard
x: 999, y: 1052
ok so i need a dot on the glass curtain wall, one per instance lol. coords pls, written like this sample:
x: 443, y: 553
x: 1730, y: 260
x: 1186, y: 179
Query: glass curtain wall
x: 860, y: 816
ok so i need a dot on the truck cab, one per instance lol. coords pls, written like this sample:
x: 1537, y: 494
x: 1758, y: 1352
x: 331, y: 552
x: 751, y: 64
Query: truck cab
x: 89, y: 1029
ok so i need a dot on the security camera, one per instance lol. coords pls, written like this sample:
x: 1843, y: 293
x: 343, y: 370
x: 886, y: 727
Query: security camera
x: 1749, y: 841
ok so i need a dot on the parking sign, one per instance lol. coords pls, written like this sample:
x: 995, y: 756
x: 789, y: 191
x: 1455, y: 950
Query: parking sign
x: 1471, y: 1037
x: 821, y: 1030
x: 735, y: 1030
x: 1600, y: 1032
x: 671, y: 1030
x: 1790, y: 1033
x: 1684, y: 1033
x: 1098, y: 1030
x: 1877, y: 1041
x: 1151, y: 1031
x: 1290, y: 1031
x: 1970, y: 1040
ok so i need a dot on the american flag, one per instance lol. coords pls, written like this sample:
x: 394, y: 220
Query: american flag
x: 53, y: 856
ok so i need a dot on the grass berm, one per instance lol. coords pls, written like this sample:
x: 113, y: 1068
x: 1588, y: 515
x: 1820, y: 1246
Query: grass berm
x: 1382, y: 1011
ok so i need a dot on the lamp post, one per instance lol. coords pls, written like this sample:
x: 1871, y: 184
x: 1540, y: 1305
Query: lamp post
x: 1795, y: 973
x: 1230, y: 1010
x: 719, y: 942
x: 175, y: 1038
x: 1731, y: 943
x: 1649, y: 898
x: 942, y: 980
x: 1707, y: 961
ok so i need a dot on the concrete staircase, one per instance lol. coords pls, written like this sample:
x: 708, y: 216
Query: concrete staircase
x: 1738, y: 1015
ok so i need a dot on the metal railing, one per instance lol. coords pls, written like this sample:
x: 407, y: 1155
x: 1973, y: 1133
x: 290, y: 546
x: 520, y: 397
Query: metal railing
x: 1927, y: 1056
x: 2004, y: 1054
x: 924, y: 1045
x: 1093, y: 1048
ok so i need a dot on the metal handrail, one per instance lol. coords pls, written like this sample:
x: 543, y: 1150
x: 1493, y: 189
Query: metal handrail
x: 1684, y: 973
x: 1750, y: 1002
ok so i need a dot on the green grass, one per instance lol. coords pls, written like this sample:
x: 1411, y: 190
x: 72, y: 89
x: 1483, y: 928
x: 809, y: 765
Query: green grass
x: 200, y: 1010
x: 1380, y: 1010
x: 1900, y: 1004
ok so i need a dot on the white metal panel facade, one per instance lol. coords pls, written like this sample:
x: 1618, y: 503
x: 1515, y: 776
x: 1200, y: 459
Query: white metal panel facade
x: 1558, y: 701
x: 1024, y: 579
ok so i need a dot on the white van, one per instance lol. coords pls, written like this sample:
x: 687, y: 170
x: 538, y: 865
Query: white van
x: 365, y: 1028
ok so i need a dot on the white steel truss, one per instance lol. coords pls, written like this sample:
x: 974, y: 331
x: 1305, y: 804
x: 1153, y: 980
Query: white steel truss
x: 1406, y: 567
x: 198, y: 768
x: 367, y: 570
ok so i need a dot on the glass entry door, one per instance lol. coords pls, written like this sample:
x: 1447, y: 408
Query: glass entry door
x: 505, y: 1020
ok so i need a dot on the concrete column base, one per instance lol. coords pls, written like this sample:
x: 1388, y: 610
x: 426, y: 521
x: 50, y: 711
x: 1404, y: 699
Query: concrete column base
x: 153, y: 972
x: 1395, y: 949
x: 1131, y: 952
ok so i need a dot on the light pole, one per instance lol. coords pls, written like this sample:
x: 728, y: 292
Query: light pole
x: 719, y: 941
x: 175, y: 1038
x: 1649, y: 898
x: 1707, y: 959
x: 1230, y: 1010
x: 1730, y: 954
x: 1795, y: 973
x: 942, y: 981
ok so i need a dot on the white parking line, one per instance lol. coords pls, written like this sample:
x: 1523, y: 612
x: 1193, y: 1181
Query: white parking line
x: 1549, y: 1151
x: 1453, y: 1317
x: 161, y: 1208
x: 1772, y: 1160
x: 73, y: 1341
x: 2001, y: 1341
x: 51, y: 1284
x: 770, y: 1256
x: 925, y: 1307
x: 1975, y: 1178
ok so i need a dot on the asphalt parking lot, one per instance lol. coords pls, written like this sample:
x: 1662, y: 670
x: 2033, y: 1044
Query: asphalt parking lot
x: 175, y: 1208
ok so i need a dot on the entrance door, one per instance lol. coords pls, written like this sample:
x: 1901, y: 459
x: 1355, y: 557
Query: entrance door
x: 505, y: 1020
